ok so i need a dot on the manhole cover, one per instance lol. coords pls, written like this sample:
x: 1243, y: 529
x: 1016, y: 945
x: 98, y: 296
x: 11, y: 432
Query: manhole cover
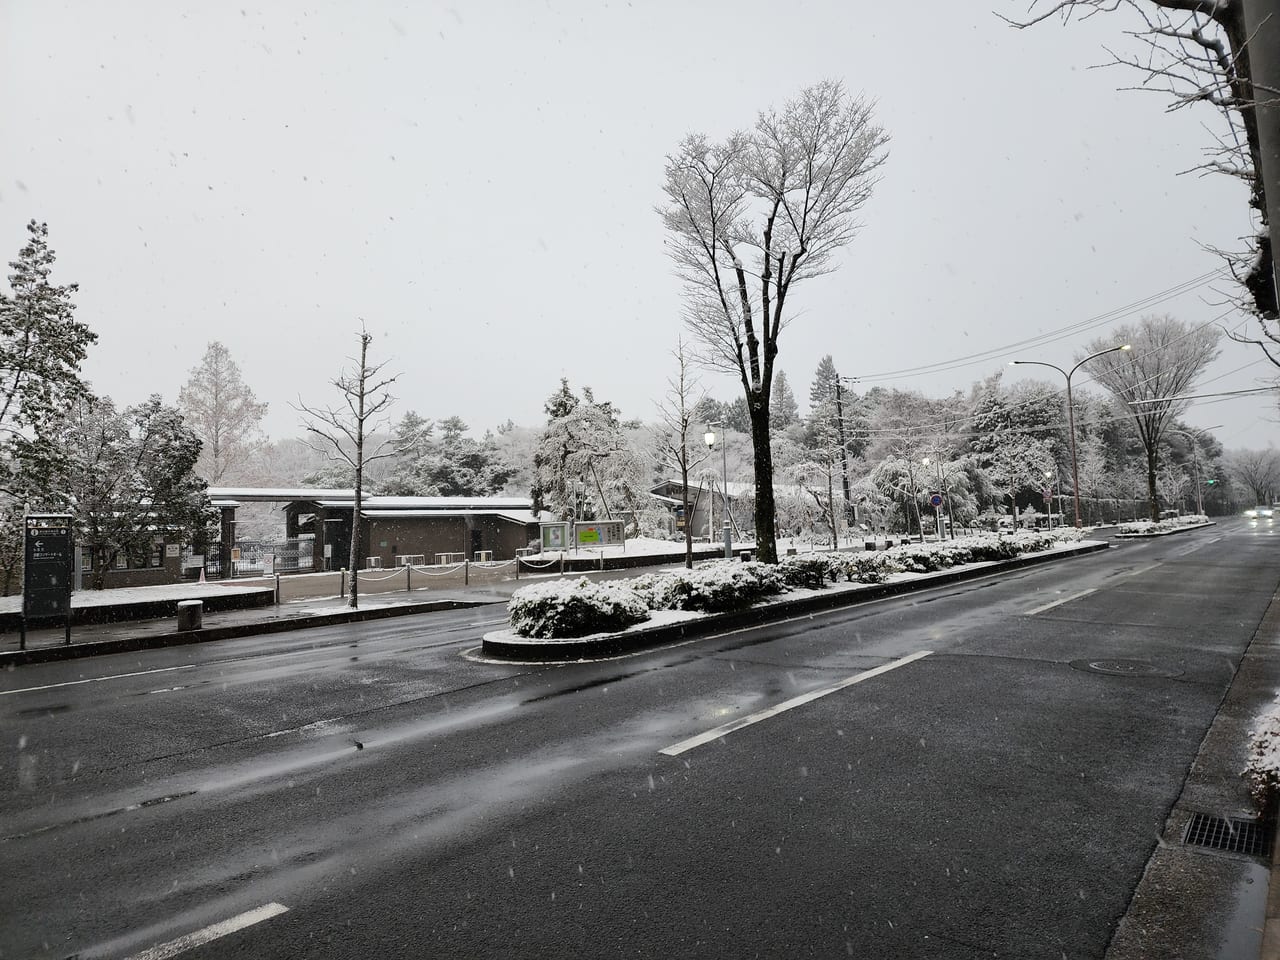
x: 1125, y: 668
x: 1252, y: 837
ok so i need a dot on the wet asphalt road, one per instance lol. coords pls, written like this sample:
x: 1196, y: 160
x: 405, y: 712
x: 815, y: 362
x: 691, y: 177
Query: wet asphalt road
x: 398, y: 798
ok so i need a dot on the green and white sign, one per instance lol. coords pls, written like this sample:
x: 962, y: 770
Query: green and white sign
x: 599, y: 533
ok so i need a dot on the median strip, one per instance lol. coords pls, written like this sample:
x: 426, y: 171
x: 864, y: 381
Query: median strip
x: 212, y: 932
x: 724, y: 729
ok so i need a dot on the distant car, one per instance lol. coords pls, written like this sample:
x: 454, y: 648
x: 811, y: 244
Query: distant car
x: 1259, y: 513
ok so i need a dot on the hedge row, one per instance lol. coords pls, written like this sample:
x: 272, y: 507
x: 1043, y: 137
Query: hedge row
x: 574, y: 608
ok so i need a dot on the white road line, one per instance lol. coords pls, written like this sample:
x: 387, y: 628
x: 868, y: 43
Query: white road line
x: 685, y: 745
x: 114, y: 676
x: 212, y: 932
x: 1050, y: 606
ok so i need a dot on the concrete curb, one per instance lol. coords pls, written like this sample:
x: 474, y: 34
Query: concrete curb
x: 634, y: 640
x: 94, y: 648
x: 1165, y: 533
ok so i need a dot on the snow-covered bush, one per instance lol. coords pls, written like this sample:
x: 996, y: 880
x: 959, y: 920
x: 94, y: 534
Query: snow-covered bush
x: 809, y: 569
x: 1149, y: 527
x: 715, y: 587
x: 872, y: 567
x: 572, y: 608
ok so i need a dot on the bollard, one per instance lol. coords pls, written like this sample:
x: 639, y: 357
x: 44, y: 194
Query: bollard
x: 277, y: 589
x: 342, y: 582
x: 190, y: 614
x: 466, y: 572
x: 745, y: 556
x: 408, y: 578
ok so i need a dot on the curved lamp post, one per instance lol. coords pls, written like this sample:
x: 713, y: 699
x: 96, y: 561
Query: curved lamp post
x: 1071, y: 413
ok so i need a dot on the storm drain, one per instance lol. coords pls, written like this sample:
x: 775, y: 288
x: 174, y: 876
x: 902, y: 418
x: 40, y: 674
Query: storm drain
x: 1250, y: 837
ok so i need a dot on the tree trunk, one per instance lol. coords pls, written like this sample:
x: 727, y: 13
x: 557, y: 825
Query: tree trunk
x: 766, y: 537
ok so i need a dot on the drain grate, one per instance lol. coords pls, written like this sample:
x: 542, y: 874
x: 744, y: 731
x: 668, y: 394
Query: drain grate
x: 1251, y: 837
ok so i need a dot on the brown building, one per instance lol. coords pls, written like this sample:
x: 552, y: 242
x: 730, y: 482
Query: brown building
x: 399, y: 530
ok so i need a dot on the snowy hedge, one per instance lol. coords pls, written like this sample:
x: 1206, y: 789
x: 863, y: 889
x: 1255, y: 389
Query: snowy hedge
x: 1149, y: 527
x: 574, y: 608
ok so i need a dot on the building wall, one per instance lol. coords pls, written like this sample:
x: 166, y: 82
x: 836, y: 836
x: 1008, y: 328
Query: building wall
x: 388, y: 538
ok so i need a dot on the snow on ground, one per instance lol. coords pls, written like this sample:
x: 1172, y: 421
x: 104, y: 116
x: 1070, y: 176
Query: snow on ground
x: 1263, y: 770
x: 125, y: 595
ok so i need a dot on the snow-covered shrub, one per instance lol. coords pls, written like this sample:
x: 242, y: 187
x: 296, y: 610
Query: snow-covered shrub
x: 714, y: 587
x: 873, y: 567
x: 808, y: 570
x: 916, y: 558
x: 572, y: 608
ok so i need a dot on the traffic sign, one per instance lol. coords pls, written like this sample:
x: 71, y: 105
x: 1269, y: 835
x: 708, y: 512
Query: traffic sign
x: 936, y: 500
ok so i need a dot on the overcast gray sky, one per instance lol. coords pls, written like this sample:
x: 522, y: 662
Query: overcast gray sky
x: 478, y: 182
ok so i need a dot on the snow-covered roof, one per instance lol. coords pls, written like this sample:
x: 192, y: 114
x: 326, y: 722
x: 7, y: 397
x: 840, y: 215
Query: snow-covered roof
x: 515, y: 516
x: 224, y: 503
x: 466, y: 504
x: 280, y: 494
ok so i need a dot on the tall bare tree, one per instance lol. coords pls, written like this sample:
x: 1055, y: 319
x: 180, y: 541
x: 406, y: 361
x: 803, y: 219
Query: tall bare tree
x: 224, y: 413
x: 1202, y: 52
x: 678, y: 412
x: 340, y: 432
x: 752, y: 216
x: 1258, y: 470
x: 1166, y: 357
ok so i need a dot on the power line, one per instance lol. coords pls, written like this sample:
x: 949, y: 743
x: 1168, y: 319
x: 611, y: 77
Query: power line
x: 1052, y: 336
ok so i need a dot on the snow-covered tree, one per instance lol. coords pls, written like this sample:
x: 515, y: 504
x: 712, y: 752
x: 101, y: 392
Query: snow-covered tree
x: 127, y: 478
x: 223, y: 411
x: 1017, y: 463
x: 1203, y: 52
x: 784, y: 411
x: 341, y: 433
x: 1165, y: 358
x: 1258, y: 471
x: 749, y: 219
x: 570, y: 464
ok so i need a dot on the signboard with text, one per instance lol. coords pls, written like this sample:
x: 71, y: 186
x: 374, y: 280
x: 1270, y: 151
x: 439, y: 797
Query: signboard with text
x: 47, y: 567
x: 599, y: 533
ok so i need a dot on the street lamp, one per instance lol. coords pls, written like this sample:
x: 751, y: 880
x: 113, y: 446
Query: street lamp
x: 1048, y: 501
x: 1194, y: 435
x: 1071, y: 413
x: 710, y: 438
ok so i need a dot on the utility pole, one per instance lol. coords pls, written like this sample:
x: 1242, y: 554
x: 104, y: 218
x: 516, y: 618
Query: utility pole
x: 844, y: 452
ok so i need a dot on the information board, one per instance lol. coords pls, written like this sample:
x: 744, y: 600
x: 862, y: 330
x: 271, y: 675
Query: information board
x: 599, y: 533
x: 554, y: 536
x: 47, y: 566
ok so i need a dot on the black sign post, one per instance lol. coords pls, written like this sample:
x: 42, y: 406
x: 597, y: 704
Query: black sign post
x: 47, y: 570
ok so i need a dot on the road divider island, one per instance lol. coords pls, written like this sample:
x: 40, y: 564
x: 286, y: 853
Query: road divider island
x: 582, y: 618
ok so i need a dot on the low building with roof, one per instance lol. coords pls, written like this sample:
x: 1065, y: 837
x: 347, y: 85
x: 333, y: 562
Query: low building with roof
x: 394, y: 531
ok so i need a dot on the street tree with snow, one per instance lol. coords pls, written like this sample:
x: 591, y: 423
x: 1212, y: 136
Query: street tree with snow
x: 1150, y: 380
x: 751, y: 217
x: 128, y: 478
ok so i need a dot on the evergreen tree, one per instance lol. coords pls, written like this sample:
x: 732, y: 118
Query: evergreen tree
x: 783, y: 410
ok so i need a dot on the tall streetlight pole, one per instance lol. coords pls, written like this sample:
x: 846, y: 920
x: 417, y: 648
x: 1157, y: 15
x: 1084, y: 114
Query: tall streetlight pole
x: 710, y: 437
x: 1194, y: 435
x: 1071, y: 413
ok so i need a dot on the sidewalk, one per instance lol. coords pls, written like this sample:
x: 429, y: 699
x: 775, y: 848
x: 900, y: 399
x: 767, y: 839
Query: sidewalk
x: 87, y: 640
